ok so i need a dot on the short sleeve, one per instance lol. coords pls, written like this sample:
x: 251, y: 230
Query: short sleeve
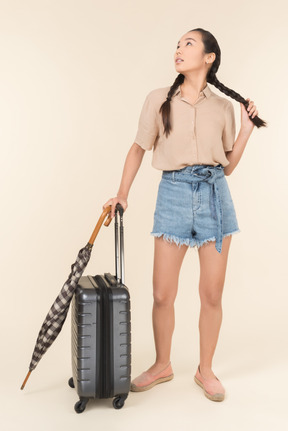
x: 229, y: 131
x: 147, y: 125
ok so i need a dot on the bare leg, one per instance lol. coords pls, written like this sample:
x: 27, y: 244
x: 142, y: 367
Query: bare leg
x: 212, y: 277
x: 168, y: 258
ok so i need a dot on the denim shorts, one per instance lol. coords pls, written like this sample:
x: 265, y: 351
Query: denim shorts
x: 194, y: 206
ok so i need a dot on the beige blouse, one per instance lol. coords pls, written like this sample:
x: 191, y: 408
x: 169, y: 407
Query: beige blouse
x: 201, y: 133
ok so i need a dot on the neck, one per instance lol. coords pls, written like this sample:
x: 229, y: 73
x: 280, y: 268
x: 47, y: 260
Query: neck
x: 193, y: 86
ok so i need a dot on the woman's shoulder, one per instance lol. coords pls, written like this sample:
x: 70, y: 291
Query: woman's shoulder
x: 220, y: 100
x: 158, y: 93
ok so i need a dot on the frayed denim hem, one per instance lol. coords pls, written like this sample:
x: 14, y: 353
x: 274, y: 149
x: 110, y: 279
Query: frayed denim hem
x: 213, y: 238
x: 180, y: 241
x: 172, y: 238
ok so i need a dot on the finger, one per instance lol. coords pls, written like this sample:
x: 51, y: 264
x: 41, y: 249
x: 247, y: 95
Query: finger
x: 250, y: 105
x: 113, y: 210
x: 106, y: 204
x: 252, y: 110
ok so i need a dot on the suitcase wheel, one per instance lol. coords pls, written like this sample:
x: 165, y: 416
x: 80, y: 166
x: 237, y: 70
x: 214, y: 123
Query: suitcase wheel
x: 119, y: 401
x: 71, y: 383
x: 80, y: 406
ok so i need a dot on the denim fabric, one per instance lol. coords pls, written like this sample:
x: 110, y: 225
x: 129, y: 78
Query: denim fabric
x: 194, y: 206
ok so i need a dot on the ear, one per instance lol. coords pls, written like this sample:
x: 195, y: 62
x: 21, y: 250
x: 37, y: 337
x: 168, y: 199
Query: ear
x: 211, y: 57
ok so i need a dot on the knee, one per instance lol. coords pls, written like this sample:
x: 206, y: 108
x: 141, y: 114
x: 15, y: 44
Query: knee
x: 211, y: 297
x: 163, y: 296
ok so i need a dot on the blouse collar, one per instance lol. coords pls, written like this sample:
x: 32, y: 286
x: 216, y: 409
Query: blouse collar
x: 206, y: 91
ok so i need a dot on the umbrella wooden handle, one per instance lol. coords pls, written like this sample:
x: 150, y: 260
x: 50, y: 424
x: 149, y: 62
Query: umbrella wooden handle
x: 105, y: 213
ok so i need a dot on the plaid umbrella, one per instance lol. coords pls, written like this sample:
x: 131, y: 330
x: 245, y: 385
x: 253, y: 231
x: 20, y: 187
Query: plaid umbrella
x: 57, y: 314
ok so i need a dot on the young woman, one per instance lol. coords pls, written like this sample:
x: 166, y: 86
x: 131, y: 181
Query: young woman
x: 192, y: 132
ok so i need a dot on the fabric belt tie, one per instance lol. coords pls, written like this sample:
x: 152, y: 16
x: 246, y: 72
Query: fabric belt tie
x: 210, y: 174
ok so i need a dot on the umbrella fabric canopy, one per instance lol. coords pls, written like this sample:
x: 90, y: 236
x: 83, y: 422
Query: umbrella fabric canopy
x: 57, y: 314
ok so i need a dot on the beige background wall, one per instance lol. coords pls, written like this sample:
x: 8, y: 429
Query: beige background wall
x: 73, y: 78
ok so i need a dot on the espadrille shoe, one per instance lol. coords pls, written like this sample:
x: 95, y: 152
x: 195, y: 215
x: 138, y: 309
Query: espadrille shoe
x: 147, y: 380
x: 213, y: 388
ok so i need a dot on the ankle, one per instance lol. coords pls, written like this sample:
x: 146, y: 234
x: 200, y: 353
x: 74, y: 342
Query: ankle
x: 204, y: 367
x: 157, y: 367
x: 206, y: 372
x: 162, y: 363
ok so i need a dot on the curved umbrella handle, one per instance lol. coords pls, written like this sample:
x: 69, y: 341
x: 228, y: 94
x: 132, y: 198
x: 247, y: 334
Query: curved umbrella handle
x: 106, y: 212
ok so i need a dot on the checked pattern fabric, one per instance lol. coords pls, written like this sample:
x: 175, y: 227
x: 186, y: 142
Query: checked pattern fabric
x: 57, y: 314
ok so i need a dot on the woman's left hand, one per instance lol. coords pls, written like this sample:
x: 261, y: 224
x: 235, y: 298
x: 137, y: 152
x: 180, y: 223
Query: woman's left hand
x: 246, y: 123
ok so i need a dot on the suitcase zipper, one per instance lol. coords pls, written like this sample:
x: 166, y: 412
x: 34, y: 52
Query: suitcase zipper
x: 105, y: 350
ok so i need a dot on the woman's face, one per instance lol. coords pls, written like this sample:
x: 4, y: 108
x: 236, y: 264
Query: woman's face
x: 190, y: 50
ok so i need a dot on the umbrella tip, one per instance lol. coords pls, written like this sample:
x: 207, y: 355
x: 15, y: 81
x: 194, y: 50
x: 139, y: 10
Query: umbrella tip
x: 25, y: 381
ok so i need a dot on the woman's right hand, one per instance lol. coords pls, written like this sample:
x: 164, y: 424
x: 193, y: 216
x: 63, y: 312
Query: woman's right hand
x: 113, y: 202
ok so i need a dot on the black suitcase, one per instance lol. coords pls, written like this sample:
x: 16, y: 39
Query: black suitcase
x: 101, y: 333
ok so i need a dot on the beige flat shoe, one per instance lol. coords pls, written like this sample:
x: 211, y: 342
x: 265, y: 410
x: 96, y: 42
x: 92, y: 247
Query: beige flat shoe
x: 147, y: 380
x: 213, y: 389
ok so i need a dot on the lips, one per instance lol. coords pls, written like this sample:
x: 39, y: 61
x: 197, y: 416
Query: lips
x: 178, y: 60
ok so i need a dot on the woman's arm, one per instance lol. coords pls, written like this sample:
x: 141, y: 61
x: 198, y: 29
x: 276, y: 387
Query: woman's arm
x: 235, y: 155
x: 246, y: 129
x: 131, y: 166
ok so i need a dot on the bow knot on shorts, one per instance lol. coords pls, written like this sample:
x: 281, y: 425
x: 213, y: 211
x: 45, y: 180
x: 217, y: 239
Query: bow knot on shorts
x: 194, y: 206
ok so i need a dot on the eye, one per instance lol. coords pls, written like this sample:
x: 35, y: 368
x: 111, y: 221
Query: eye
x: 186, y: 44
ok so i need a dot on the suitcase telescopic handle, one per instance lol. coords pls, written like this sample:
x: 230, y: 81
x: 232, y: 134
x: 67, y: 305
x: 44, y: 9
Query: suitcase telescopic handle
x: 120, y: 279
x: 107, y: 214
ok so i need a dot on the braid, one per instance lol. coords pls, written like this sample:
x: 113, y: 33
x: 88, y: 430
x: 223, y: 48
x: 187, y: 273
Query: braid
x: 212, y: 79
x: 165, y: 107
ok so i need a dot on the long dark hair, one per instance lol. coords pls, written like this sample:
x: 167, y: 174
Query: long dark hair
x: 210, y: 45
